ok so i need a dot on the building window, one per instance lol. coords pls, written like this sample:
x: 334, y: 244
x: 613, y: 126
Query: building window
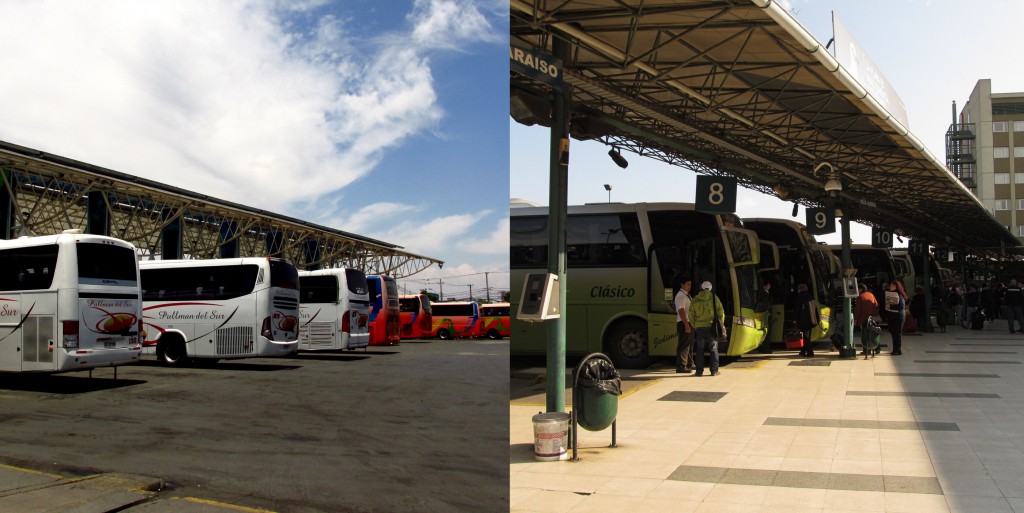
x: 1003, y: 204
x: 1018, y: 152
x: 1018, y: 126
x: 1002, y: 178
x: 998, y: 126
x: 1000, y: 152
x: 1020, y: 230
x: 1020, y: 204
x: 1018, y: 178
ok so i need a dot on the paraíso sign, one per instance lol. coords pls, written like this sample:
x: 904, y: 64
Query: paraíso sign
x: 536, y: 65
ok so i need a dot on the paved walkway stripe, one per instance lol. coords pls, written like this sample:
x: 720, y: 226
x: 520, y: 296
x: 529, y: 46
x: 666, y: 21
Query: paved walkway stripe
x: 973, y: 352
x: 966, y: 344
x: 815, y: 480
x: 811, y: 363
x: 934, y: 375
x: 693, y: 397
x: 863, y: 424
x: 221, y: 505
x: 987, y: 362
x: 922, y: 394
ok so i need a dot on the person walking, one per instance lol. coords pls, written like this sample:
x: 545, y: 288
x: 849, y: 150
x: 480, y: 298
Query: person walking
x: 895, y: 308
x: 867, y: 308
x: 704, y: 310
x: 807, y: 317
x: 917, y: 309
x: 1014, y: 302
x: 684, y: 348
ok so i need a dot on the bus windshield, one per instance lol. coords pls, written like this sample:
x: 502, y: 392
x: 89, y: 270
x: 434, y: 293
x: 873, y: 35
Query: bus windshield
x: 356, y: 281
x: 318, y: 289
x: 283, y: 274
x: 99, y: 262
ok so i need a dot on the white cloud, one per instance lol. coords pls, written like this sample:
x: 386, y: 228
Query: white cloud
x: 422, y: 234
x: 448, y: 23
x: 219, y: 96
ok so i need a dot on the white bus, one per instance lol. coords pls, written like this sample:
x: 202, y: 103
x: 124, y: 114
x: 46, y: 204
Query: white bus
x: 68, y: 302
x: 334, y: 310
x: 218, y: 309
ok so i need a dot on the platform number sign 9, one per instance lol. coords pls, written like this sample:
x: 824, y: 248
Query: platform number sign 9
x: 821, y: 220
x: 881, y: 238
x: 716, y: 194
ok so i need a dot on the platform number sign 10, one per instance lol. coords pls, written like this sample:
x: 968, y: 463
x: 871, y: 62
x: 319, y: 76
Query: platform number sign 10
x: 821, y: 220
x: 881, y: 238
x: 716, y: 194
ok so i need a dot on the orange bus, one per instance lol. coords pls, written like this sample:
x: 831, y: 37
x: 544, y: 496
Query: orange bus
x: 494, y: 320
x: 414, y: 312
x: 456, y: 319
x: 385, y: 324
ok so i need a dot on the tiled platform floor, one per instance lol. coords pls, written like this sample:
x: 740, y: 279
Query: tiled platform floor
x: 938, y: 429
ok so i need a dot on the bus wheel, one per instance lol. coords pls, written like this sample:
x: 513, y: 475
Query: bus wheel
x: 444, y: 334
x: 171, y: 352
x: 626, y: 343
x: 494, y: 335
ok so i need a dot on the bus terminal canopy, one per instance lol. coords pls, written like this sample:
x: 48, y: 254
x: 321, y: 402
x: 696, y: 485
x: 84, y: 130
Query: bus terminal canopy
x: 47, y: 194
x: 740, y: 88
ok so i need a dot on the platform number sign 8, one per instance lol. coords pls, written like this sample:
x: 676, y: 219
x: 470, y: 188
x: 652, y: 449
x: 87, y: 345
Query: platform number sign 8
x: 716, y: 194
x: 821, y: 220
x: 881, y: 238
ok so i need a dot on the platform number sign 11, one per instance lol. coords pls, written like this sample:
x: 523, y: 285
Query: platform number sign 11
x: 821, y: 220
x: 716, y: 194
x: 918, y: 247
x: 881, y: 238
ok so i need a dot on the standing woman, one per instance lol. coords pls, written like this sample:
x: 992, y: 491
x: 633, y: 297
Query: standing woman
x: 867, y: 307
x: 804, y: 320
x: 894, y: 312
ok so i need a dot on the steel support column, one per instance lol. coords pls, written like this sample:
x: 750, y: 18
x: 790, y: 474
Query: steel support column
x: 98, y: 216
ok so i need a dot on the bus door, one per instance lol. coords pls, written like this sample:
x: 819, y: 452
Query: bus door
x: 10, y: 332
x: 668, y: 266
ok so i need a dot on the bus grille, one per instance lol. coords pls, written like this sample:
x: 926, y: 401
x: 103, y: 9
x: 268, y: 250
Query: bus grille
x: 321, y: 334
x: 286, y: 303
x: 237, y: 340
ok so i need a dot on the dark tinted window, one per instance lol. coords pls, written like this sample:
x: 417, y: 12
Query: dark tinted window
x: 318, y: 289
x: 409, y: 304
x: 28, y: 268
x: 103, y: 261
x: 445, y: 310
x: 283, y: 274
x: 392, y: 288
x: 494, y: 311
x: 356, y: 281
x: 198, y: 283
x: 593, y: 240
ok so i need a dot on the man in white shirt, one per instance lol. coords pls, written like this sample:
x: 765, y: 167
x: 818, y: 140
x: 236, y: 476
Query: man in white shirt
x: 684, y: 348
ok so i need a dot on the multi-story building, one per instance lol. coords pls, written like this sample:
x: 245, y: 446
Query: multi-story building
x: 985, y: 149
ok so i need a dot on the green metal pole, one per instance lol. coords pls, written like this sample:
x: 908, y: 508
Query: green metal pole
x: 558, y: 193
x: 847, y: 310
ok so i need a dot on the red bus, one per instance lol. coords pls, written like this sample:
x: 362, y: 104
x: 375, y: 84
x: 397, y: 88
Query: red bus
x: 456, y: 319
x: 385, y: 324
x: 414, y: 312
x: 494, y: 320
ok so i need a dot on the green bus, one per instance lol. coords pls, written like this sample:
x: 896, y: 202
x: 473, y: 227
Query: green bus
x: 624, y: 264
x: 801, y: 260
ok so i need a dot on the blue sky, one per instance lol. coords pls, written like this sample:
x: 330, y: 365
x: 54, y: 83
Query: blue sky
x: 385, y: 119
x: 931, y: 51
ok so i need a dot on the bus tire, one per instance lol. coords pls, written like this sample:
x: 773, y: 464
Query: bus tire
x: 494, y: 335
x: 171, y: 351
x: 444, y: 334
x: 626, y: 343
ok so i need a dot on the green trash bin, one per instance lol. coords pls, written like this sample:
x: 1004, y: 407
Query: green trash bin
x: 597, y: 390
